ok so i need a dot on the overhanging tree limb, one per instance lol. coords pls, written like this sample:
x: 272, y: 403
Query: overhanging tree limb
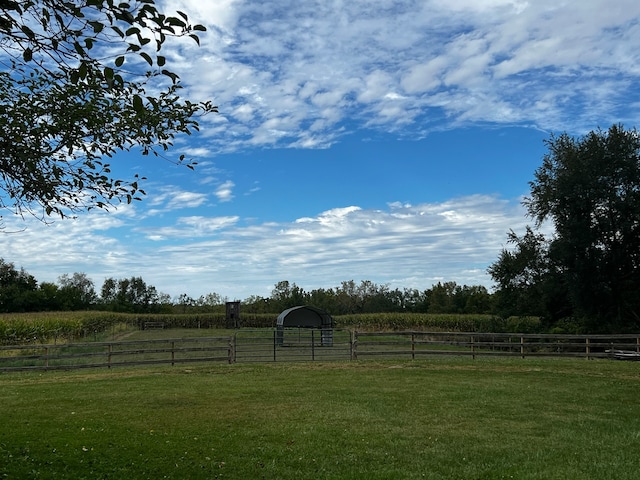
x: 67, y: 101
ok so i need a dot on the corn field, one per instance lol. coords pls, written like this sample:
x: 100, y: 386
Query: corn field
x: 44, y: 327
x: 438, y: 322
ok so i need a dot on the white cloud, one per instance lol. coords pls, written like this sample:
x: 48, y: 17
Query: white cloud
x: 282, y: 70
x: 224, y: 192
x: 189, y: 227
x: 197, y: 151
x: 455, y: 240
x: 171, y: 197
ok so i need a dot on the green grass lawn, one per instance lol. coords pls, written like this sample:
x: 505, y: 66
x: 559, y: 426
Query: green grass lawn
x: 442, y: 418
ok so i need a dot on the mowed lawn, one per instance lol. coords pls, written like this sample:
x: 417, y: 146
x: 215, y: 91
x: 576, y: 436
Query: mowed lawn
x: 442, y: 418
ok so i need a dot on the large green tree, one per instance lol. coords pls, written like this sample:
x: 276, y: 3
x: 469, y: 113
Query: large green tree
x: 76, y: 292
x: 18, y: 289
x: 81, y: 80
x: 129, y: 295
x: 528, y: 282
x: 589, y: 189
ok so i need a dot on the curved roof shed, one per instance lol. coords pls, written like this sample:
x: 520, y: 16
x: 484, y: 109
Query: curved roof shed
x: 304, y: 316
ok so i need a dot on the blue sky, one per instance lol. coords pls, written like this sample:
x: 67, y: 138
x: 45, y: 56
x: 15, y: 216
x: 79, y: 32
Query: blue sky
x: 389, y: 141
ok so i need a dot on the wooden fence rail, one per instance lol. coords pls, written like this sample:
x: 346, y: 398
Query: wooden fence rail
x: 416, y: 344
x: 112, y: 354
x: 308, y: 345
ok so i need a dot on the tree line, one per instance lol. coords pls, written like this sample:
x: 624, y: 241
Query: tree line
x: 351, y: 297
x: 21, y: 292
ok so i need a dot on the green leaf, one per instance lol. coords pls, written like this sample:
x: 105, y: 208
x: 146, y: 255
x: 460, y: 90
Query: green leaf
x: 28, y: 32
x: 79, y: 50
x: 27, y: 55
x: 118, y: 31
x: 171, y: 75
x: 160, y: 60
x: 176, y: 22
x: 97, y: 26
x: 199, y: 28
x: 138, y: 106
x: 146, y: 57
x: 119, y: 61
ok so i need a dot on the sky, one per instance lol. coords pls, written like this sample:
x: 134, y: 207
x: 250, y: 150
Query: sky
x: 390, y: 141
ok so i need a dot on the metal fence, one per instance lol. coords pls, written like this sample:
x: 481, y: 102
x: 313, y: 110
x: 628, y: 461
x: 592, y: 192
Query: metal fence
x: 292, y: 344
x: 270, y: 345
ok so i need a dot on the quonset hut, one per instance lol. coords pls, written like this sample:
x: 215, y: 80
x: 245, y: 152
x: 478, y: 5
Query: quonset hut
x: 305, y: 316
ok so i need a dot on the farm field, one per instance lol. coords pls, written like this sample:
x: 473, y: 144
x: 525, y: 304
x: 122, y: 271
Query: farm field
x: 437, y: 419
x: 51, y: 327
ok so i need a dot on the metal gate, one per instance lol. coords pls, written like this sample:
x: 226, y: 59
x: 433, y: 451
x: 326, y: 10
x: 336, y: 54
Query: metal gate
x: 291, y: 344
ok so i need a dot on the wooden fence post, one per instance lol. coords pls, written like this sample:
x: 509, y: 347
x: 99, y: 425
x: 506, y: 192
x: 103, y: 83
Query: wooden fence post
x: 274, y: 345
x: 473, y: 348
x: 413, y: 346
x: 587, y: 348
x: 354, y: 345
x: 522, y: 346
x: 232, y: 349
x: 173, y: 353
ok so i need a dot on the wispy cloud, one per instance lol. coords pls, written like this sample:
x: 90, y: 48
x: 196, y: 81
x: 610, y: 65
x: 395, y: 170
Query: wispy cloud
x: 170, y: 197
x: 224, y: 192
x: 289, y: 73
x: 189, y: 227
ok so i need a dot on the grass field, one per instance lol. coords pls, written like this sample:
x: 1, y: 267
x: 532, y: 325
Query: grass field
x: 437, y: 419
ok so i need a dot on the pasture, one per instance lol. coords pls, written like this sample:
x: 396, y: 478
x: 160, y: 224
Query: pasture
x: 441, y: 418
